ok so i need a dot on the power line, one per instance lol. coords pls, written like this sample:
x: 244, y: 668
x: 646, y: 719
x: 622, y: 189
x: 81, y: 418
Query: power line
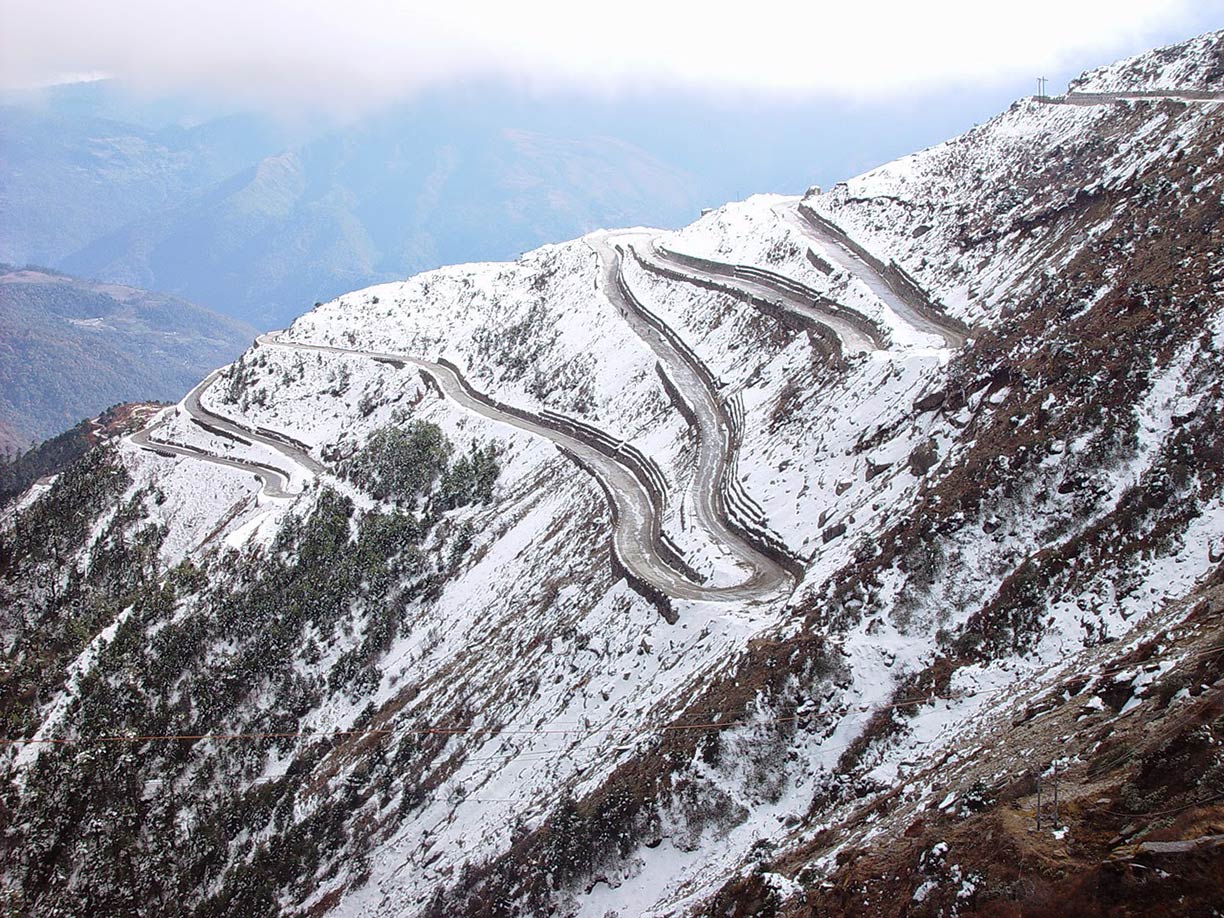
x: 475, y: 731
x: 447, y: 730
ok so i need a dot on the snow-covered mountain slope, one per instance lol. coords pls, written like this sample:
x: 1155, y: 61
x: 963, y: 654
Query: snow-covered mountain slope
x: 669, y: 573
x: 1196, y: 65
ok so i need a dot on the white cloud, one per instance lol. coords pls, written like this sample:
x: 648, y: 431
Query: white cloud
x: 346, y: 53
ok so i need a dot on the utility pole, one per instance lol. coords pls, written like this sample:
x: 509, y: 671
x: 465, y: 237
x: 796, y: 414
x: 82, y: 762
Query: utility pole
x: 1041, y: 89
x: 1038, y: 799
x: 1056, y: 793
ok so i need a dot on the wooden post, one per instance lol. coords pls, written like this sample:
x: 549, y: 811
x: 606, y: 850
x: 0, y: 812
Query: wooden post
x: 1056, y: 793
x: 1038, y: 799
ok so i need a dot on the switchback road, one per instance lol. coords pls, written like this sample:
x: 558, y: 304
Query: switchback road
x: 637, y: 516
x: 914, y: 314
x: 636, y: 501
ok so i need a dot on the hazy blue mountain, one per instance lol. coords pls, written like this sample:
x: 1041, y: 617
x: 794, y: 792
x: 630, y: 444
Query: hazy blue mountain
x: 70, y: 348
x: 68, y: 178
x: 380, y: 202
x: 250, y: 216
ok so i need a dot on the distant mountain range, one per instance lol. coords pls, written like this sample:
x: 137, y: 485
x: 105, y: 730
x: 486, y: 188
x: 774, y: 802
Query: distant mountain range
x: 67, y: 178
x: 260, y: 219
x: 376, y: 204
x: 70, y: 348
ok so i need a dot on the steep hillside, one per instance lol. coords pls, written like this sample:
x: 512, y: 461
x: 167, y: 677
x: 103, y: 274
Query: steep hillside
x: 52, y: 456
x: 70, y: 348
x: 11, y: 440
x: 776, y: 565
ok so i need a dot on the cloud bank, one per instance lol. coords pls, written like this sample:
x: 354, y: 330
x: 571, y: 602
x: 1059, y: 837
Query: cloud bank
x: 365, y: 52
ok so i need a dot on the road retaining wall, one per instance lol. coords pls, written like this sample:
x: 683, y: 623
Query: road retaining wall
x: 743, y: 514
x: 899, y: 281
x: 823, y: 337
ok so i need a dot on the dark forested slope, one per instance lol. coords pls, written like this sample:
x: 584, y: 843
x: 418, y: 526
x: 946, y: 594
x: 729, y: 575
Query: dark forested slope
x: 69, y: 348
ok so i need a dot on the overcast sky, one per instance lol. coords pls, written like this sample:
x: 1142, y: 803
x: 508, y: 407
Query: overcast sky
x: 360, y: 53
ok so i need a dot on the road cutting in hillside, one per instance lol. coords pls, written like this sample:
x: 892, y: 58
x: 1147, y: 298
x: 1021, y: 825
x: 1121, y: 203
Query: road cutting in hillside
x: 698, y: 387
x: 769, y: 569
x: 274, y: 482
x: 917, y: 315
x: 637, y: 529
x: 855, y: 333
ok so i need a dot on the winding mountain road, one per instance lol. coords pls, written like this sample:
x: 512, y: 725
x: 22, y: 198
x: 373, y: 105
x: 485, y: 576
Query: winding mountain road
x: 714, y: 440
x: 288, y: 447
x: 274, y: 482
x: 835, y: 250
x: 855, y: 333
x: 636, y: 501
x: 636, y: 510
x: 635, y: 494
x: 637, y: 529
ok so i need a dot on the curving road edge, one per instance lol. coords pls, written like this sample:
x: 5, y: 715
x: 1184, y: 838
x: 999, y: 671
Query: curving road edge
x: 274, y: 482
x: 636, y: 506
x: 631, y: 482
x: 774, y: 294
x: 889, y: 283
x: 718, y: 434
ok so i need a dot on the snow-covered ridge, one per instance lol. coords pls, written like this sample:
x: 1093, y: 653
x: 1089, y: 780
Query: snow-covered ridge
x: 1197, y: 64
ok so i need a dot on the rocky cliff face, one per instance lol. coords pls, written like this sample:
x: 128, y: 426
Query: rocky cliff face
x: 761, y: 567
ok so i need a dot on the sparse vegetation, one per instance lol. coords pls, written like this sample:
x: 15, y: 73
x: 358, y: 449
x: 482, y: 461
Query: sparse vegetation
x: 334, y: 589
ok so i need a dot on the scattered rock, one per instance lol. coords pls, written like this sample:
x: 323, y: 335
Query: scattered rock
x: 923, y: 458
x: 1187, y: 846
x: 874, y: 469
